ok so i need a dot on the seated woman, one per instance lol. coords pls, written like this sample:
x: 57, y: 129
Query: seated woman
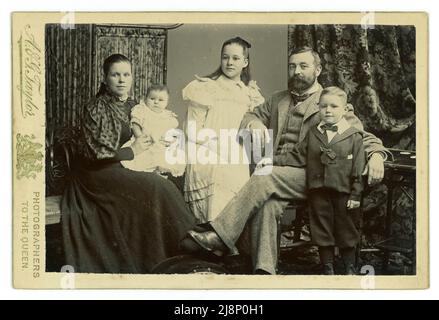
x: 116, y: 220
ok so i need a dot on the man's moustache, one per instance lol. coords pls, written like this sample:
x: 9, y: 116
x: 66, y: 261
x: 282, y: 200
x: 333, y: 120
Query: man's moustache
x: 298, y: 78
x: 297, y: 82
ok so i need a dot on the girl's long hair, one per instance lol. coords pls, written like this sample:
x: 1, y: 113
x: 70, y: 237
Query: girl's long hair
x: 245, y: 73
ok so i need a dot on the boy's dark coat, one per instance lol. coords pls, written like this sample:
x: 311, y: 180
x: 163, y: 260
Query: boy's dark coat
x: 337, y: 165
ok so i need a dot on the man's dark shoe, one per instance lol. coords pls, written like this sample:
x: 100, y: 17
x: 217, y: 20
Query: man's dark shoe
x: 209, y: 241
x: 328, y: 269
x: 188, y: 245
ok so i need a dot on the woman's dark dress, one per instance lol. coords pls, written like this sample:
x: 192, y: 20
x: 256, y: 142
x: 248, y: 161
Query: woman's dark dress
x: 116, y: 220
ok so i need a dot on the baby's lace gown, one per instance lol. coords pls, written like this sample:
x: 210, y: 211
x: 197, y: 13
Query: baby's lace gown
x: 160, y: 126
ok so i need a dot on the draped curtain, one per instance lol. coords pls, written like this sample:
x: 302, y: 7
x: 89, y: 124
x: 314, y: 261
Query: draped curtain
x: 145, y: 47
x: 376, y: 66
x: 68, y: 73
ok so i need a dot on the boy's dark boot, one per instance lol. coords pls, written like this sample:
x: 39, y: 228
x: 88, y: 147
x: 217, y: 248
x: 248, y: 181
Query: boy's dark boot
x: 348, y: 256
x: 328, y: 269
x: 327, y: 259
x: 350, y: 270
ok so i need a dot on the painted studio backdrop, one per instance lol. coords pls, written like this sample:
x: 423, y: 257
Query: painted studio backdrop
x: 375, y: 66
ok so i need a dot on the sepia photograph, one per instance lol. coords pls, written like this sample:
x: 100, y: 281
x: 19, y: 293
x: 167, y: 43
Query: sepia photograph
x: 193, y: 146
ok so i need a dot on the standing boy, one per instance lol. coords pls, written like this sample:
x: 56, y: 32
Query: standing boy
x: 334, y: 157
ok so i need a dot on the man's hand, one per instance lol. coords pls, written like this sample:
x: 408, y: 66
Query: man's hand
x: 375, y: 169
x: 353, y: 204
x: 264, y: 167
x: 260, y: 133
x: 264, y: 162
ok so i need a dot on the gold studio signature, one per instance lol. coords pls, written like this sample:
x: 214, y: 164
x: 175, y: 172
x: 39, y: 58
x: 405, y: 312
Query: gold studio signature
x: 30, y: 72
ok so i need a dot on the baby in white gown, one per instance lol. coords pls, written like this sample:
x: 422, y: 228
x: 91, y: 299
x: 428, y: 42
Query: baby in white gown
x: 151, y: 118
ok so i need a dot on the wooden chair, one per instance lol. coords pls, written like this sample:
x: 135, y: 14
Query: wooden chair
x: 296, y: 225
x: 60, y: 150
x: 300, y: 208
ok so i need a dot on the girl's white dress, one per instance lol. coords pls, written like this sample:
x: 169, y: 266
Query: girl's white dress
x: 159, y: 126
x: 218, y: 167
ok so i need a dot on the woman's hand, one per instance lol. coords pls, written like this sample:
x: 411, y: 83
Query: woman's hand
x: 170, y: 137
x: 165, y: 142
x: 141, y: 144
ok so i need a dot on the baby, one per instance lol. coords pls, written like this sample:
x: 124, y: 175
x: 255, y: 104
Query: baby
x: 151, y: 118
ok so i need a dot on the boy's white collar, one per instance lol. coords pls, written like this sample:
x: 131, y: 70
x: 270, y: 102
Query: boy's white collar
x: 342, y: 126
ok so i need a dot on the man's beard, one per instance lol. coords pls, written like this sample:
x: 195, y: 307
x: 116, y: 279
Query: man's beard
x: 300, y: 84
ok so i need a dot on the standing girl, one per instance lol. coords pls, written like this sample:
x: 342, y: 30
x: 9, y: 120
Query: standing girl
x: 218, y: 168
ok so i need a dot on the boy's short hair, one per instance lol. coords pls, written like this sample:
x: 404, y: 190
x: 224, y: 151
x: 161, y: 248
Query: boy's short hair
x: 335, y: 91
x: 156, y: 87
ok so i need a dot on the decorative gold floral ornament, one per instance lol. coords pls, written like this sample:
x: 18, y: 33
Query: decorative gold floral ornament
x: 29, y: 159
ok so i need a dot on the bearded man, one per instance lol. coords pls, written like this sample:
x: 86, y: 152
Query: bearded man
x: 259, y: 204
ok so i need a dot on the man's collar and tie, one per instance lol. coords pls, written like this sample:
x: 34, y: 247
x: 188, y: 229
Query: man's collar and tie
x: 299, y: 99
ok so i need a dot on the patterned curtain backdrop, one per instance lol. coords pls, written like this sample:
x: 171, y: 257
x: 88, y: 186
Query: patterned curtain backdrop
x: 145, y: 47
x: 68, y: 87
x: 68, y: 73
x: 376, y: 67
